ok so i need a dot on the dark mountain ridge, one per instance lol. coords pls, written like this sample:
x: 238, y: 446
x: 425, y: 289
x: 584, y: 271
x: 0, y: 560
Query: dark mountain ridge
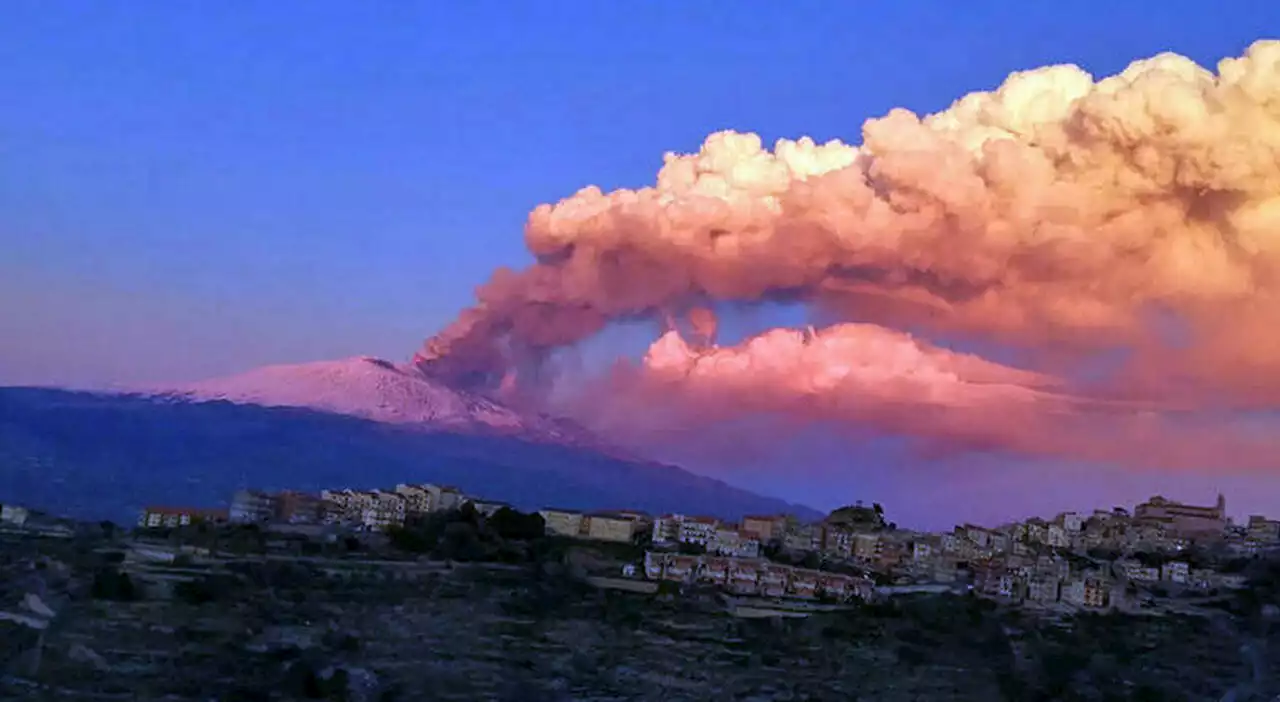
x: 95, y: 455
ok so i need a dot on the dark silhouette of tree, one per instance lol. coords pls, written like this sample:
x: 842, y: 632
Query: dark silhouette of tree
x: 510, y: 524
x: 111, y: 584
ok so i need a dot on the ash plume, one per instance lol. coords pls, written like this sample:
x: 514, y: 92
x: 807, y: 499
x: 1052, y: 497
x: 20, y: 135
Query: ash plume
x: 1059, y: 213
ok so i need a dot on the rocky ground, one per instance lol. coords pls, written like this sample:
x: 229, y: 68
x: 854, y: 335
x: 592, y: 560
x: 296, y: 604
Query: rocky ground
x: 280, y: 630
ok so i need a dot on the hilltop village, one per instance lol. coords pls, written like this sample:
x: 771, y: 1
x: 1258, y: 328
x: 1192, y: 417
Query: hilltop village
x: 422, y: 592
x: 1161, y: 556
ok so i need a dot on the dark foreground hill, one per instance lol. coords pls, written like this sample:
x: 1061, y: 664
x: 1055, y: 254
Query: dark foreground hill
x: 105, y: 456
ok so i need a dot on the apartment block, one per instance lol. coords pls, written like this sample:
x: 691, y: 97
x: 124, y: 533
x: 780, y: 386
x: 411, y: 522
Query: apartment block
x: 564, y: 522
x: 252, y: 506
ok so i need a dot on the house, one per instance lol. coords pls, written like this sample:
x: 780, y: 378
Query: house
x: 1043, y: 589
x: 252, y: 507
x: 775, y: 580
x: 835, y: 586
x: 743, y: 576
x: 715, y: 570
x: 563, y: 522
x: 13, y: 515
x: 1072, y: 591
x: 681, y: 568
x: 804, y: 583
x: 976, y: 535
x: 1056, y: 536
x: 1176, y: 572
x: 612, y: 526
x: 654, y: 565
x: 153, y: 517
x: 921, y: 550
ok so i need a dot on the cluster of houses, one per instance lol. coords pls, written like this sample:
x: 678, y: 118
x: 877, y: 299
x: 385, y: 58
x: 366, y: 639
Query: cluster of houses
x: 1091, y: 560
x: 1073, y: 559
x: 755, y: 576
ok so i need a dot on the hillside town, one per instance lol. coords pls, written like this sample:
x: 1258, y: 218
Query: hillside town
x: 434, y: 594
x: 1161, y: 552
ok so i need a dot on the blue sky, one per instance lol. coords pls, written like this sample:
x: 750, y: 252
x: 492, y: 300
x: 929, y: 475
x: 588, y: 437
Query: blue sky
x: 193, y: 189
x: 190, y: 189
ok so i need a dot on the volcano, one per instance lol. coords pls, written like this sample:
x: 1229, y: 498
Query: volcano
x: 359, y: 423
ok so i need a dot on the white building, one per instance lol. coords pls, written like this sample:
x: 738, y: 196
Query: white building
x: 13, y: 514
x: 698, y: 530
x: 731, y: 542
x: 426, y: 498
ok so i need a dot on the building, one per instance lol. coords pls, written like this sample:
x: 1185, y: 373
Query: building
x: 837, y: 541
x: 298, y: 508
x: 680, y: 568
x: 1097, y: 592
x: 563, y: 522
x: 426, y: 498
x: 803, y: 583
x: 1072, y: 522
x: 766, y: 528
x: 921, y: 550
x: 488, y: 508
x: 344, y: 505
x: 1182, y: 518
x: 1263, y: 531
x: 715, y: 570
x: 383, y: 511
x: 654, y: 565
x: 729, y: 541
x: 803, y: 538
x: 13, y: 515
x: 666, y: 529
x: 1134, y: 570
x: 1043, y: 589
x: 612, y: 526
x: 1177, y: 572
x: 744, y: 577
x: 156, y: 517
x: 698, y: 530
x: 252, y: 507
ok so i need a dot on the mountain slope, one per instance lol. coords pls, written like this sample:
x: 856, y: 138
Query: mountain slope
x: 105, y: 456
x: 382, y: 391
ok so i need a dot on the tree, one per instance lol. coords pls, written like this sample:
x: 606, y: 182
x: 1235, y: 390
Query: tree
x: 508, y: 523
x: 111, y: 584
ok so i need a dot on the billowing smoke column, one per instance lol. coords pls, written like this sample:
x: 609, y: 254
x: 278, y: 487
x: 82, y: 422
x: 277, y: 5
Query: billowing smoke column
x: 1055, y: 212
